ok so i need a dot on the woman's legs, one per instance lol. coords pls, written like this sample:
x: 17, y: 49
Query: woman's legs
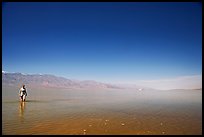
x: 21, y: 97
x: 24, y: 97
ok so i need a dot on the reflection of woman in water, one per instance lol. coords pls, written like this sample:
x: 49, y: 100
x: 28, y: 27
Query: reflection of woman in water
x: 21, y: 110
x: 23, y: 93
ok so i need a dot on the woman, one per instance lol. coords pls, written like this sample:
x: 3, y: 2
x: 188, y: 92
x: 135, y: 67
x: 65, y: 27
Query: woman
x: 23, y: 93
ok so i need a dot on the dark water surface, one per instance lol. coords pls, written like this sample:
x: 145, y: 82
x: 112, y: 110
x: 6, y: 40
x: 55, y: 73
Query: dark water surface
x: 66, y: 111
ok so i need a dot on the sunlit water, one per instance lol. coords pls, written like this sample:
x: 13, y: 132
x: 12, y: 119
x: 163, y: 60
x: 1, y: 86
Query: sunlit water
x: 66, y: 111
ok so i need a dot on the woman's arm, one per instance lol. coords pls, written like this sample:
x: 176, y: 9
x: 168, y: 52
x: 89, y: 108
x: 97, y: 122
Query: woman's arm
x: 20, y: 92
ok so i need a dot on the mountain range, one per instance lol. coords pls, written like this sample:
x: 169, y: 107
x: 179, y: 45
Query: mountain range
x: 46, y: 80
x: 51, y: 81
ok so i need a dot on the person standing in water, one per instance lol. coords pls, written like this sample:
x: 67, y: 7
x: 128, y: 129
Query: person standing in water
x: 23, y: 93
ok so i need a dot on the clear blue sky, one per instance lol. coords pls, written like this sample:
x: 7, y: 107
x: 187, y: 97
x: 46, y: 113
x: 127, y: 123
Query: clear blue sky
x: 103, y: 41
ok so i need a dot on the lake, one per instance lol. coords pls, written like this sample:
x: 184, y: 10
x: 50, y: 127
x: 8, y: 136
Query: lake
x: 51, y: 111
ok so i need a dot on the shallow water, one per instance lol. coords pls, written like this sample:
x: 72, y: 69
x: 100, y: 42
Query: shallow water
x: 66, y: 111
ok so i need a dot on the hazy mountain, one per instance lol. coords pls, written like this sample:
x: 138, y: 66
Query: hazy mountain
x: 39, y: 80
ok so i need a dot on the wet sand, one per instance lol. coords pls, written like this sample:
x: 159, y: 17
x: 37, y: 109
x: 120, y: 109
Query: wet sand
x: 109, y: 112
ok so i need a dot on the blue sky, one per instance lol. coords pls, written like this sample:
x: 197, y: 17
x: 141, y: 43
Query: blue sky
x: 103, y: 41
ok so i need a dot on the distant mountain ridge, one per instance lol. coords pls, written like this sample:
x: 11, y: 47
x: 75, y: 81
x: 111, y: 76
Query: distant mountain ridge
x: 46, y: 80
x: 50, y: 81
